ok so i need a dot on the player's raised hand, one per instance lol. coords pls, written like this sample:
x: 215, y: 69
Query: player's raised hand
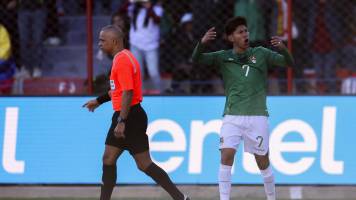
x: 91, y: 105
x: 277, y: 42
x: 209, y: 35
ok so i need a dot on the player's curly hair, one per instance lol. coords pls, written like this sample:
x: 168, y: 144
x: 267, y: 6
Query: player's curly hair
x: 233, y: 23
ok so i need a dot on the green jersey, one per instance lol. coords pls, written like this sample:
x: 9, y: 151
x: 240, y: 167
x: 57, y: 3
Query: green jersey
x: 244, y: 76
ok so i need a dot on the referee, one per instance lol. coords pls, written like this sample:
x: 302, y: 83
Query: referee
x: 129, y: 121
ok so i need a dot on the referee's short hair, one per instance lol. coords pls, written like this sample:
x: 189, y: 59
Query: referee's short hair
x: 233, y: 23
x: 118, y: 32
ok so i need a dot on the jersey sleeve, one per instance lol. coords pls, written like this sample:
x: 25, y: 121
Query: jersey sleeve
x: 283, y: 58
x: 210, y: 59
x: 125, y: 75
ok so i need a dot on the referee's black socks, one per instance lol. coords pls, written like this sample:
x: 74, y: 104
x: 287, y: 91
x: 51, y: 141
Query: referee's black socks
x: 108, y: 181
x: 162, y: 178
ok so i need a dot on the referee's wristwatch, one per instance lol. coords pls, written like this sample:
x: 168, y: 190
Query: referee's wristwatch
x: 121, y: 120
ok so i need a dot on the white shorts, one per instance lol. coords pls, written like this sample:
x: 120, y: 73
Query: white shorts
x: 252, y: 129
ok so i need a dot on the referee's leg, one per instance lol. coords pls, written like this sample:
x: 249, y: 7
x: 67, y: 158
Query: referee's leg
x: 145, y: 164
x: 109, y: 175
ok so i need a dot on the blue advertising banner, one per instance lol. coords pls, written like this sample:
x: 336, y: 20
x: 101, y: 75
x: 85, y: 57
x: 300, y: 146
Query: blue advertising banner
x: 53, y: 140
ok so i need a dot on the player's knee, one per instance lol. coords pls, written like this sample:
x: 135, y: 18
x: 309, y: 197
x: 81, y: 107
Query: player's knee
x: 262, y: 165
x: 262, y: 162
x: 227, y: 159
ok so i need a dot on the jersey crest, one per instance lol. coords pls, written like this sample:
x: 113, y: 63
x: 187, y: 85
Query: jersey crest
x: 253, y: 59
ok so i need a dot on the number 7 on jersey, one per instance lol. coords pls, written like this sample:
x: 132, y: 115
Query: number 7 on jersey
x: 247, y: 70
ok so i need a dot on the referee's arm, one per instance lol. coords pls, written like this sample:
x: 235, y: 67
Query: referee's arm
x: 126, y: 103
x: 104, y: 98
x: 91, y: 105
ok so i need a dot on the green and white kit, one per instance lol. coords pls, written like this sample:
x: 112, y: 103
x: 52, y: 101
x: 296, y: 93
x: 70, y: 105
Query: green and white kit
x: 245, y: 83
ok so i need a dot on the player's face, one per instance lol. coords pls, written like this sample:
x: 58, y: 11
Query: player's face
x: 240, y: 37
x: 105, y: 42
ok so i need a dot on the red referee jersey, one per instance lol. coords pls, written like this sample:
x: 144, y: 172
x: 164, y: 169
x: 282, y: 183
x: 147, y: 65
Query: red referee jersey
x: 125, y: 75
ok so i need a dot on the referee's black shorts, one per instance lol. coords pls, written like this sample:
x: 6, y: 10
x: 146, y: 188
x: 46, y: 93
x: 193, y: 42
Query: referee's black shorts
x: 136, y: 140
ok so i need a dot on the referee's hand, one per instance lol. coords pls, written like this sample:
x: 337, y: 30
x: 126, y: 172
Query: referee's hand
x: 91, y: 105
x: 119, y: 130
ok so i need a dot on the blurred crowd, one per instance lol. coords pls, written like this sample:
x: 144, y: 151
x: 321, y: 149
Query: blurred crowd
x: 162, y: 34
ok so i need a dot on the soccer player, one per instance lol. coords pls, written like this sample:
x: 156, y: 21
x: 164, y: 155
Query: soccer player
x: 129, y: 121
x: 244, y: 74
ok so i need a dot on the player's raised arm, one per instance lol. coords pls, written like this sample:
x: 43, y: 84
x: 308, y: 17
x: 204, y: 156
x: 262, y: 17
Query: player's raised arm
x: 283, y: 57
x: 209, y: 36
x: 205, y: 58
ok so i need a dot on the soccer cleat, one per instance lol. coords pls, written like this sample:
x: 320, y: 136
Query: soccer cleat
x: 186, y: 197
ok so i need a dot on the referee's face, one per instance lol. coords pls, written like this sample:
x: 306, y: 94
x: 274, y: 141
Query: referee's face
x: 106, y: 43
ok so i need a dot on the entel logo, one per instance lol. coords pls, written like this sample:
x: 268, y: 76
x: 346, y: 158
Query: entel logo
x: 199, y: 131
x: 9, y: 162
